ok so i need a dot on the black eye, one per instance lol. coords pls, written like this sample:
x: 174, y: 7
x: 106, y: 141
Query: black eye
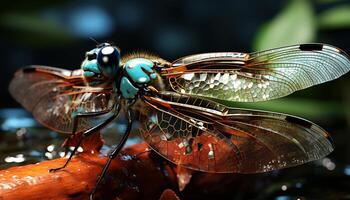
x: 91, y: 56
x: 108, y: 60
x: 108, y: 57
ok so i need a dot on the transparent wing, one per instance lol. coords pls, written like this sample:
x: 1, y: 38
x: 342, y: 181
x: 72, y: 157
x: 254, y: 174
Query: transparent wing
x: 55, y: 95
x: 257, y: 76
x: 188, y: 142
x: 207, y: 136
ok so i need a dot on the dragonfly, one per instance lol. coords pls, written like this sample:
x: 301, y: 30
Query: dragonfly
x: 178, y: 105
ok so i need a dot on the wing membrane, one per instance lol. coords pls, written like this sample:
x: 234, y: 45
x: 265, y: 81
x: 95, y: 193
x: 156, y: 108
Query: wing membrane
x: 54, y: 95
x: 257, y: 76
x: 229, y: 139
x: 188, y: 142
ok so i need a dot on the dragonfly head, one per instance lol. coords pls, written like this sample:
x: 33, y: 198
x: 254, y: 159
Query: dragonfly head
x: 104, y: 60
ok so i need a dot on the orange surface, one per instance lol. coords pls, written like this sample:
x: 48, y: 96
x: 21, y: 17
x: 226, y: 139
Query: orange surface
x: 136, y: 173
x: 128, y: 177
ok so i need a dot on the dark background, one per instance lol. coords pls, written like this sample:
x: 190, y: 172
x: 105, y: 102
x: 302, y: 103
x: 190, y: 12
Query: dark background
x: 56, y: 33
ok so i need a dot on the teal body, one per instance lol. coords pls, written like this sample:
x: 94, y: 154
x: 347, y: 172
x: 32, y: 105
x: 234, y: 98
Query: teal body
x: 90, y: 66
x: 137, y: 73
x: 141, y: 72
x: 136, y: 68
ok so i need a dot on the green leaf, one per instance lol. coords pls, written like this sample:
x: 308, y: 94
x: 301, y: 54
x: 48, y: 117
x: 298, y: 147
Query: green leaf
x: 294, y: 25
x: 309, y: 108
x: 33, y: 28
x: 335, y: 18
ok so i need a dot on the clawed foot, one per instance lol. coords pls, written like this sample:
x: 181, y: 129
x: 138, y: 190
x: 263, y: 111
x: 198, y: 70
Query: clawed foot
x: 55, y: 169
x: 92, y: 196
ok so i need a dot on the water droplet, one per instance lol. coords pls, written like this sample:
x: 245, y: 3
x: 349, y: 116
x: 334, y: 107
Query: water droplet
x: 284, y: 188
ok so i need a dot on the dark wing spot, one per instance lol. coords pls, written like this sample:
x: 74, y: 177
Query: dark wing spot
x: 28, y: 69
x: 298, y: 121
x: 311, y: 47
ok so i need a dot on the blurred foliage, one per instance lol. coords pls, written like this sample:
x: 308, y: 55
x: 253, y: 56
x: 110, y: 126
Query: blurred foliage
x: 295, y: 24
x: 334, y: 18
x: 37, y: 29
x: 309, y: 108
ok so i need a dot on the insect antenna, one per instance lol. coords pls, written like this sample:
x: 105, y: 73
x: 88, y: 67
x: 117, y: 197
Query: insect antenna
x: 93, y: 39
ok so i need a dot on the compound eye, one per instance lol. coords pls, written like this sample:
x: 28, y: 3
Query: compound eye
x: 108, y: 60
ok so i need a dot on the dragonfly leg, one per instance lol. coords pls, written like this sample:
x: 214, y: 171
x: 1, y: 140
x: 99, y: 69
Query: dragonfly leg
x: 76, y: 123
x: 87, y: 132
x: 114, y: 152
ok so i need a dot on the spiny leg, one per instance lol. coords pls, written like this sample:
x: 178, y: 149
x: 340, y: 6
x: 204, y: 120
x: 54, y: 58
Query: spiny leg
x: 114, y: 152
x: 87, y: 132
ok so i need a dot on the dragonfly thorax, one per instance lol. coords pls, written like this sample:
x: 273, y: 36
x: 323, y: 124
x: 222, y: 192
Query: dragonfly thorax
x: 138, y: 72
